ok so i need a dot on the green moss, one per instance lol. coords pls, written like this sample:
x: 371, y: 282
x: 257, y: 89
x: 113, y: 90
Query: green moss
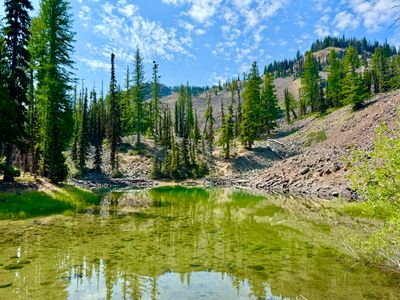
x: 372, y: 210
x: 33, y: 203
x: 269, y: 211
x: 315, y: 137
x: 245, y: 198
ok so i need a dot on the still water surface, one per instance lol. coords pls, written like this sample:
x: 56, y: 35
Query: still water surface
x: 182, y: 243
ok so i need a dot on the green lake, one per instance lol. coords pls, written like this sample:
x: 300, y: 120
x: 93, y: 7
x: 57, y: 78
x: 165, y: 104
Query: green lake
x: 184, y: 243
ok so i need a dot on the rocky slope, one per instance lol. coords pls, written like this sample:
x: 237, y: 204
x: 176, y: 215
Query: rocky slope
x: 311, y: 155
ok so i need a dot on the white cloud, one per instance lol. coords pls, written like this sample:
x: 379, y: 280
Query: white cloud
x: 186, y: 25
x: 123, y: 29
x: 107, y: 7
x: 320, y: 5
x: 322, y: 28
x: 375, y: 14
x: 84, y: 15
x: 258, y: 35
x: 200, y: 31
x: 203, y: 10
x: 344, y: 20
x: 199, y: 10
x: 126, y: 9
x: 95, y: 64
x: 190, y: 28
x: 218, y: 78
x: 282, y: 42
x: 253, y: 11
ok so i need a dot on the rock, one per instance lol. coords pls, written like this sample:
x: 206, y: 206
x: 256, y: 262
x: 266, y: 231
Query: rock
x: 335, y: 194
x: 335, y: 168
x: 305, y: 171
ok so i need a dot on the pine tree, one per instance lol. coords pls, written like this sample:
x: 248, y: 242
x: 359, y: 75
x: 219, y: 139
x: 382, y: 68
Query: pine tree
x: 335, y: 75
x: 290, y: 105
x: 173, y: 160
x: 180, y: 112
x: 269, y: 105
x: 196, y: 134
x: 251, y: 108
x: 287, y: 106
x: 33, y: 125
x: 126, y: 107
x: 155, y: 103
x: 52, y: 45
x: 97, y: 130
x: 227, y: 130
x: 395, y: 70
x: 380, y: 69
x: 322, y: 105
x: 113, y: 132
x: 138, y: 95
x: 209, y: 126
x: 166, y: 129
x: 17, y: 34
x: 76, y: 121
x: 189, y: 108
x: 238, y: 120
x: 103, y: 113
x: 176, y: 115
x: 309, y: 84
x: 156, y: 168
x: 353, y: 89
x: 83, y: 137
x: 5, y: 98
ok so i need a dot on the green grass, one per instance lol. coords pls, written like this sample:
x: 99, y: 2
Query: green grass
x: 371, y: 210
x: 67, y: 199
x: 315, y: 137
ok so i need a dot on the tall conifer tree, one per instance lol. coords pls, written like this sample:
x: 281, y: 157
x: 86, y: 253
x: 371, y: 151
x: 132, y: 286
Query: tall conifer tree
x: 83, y: 136
x: 335, y: 75
x: 209, y: 126
x: 16, y: 35
x: 52, y: 48
x: 155, y: 103
x: 113, y: 132
x: 309, y: 84
x: 97, y: 130
x: 269, y: 105
x: 251, y: 108
x: 354, y: 91
x: 138, y: 95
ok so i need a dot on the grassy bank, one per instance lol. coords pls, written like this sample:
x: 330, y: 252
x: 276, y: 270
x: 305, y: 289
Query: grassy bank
x: 47, y: 200
x: 382, y: 247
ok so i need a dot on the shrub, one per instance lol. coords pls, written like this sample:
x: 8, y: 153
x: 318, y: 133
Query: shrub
x: 117, y: 174
x: 315, y: 137
x: 376, y: 177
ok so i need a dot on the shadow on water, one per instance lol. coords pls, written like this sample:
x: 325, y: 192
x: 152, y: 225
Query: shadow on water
x: 183, y: 243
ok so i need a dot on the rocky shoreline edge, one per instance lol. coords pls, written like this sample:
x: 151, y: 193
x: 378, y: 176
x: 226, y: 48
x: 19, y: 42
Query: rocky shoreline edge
x: 275, y: 184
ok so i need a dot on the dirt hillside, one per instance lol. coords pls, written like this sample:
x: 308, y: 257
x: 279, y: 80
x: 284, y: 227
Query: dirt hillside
x: 310, y: 155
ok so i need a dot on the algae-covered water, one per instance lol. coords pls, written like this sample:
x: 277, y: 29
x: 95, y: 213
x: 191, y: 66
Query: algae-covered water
x: 183, y: 243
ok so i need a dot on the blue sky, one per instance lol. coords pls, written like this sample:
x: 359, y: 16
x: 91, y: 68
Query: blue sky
x: 202, y: 41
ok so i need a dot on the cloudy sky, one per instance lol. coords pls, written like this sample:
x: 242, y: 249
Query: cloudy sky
x: 202, y: 41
